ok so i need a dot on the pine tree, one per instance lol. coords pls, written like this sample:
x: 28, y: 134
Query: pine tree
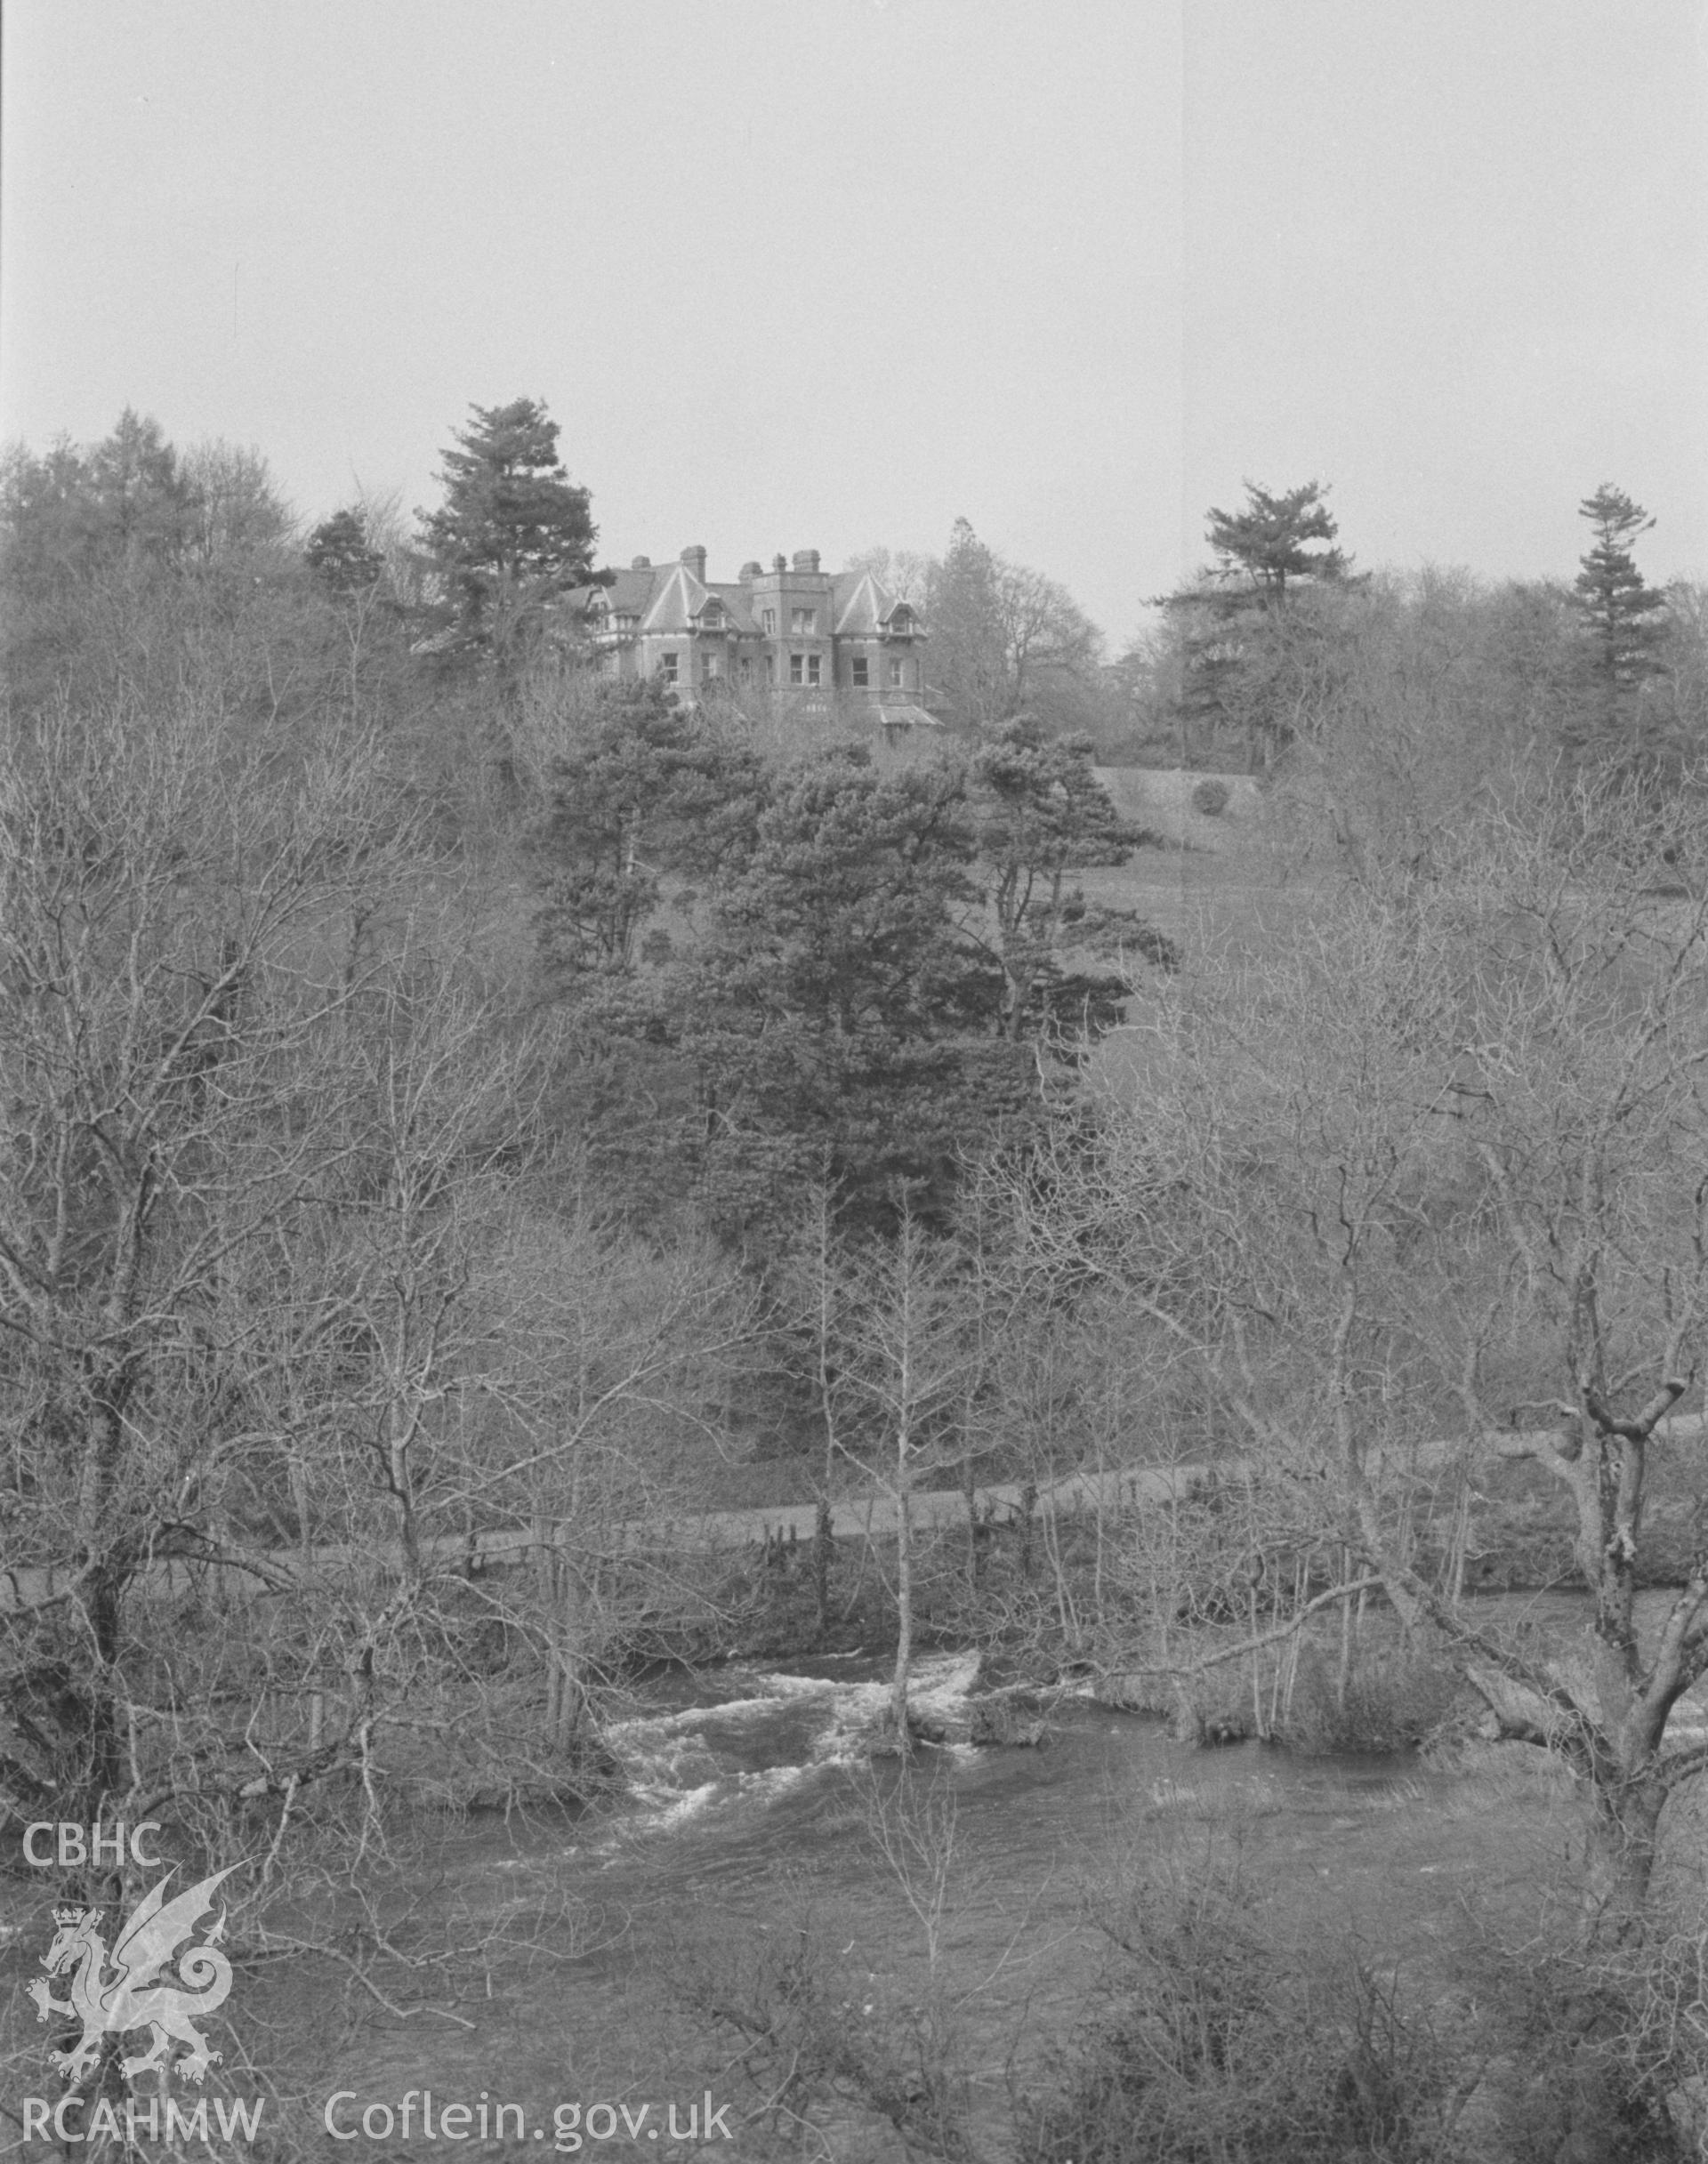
x: 1266, y: 543
x: 1244, y: 633
x: 513, y: 530
x: 833, y: 1019
x: 647, y: 793
x: 341, y: 556
x: 1042, y: 815
x: 1621, y: 611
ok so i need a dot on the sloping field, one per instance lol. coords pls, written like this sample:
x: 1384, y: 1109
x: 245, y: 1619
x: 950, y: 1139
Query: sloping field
x: 1219, y: 883
x: 1218, y: 886
x: 1161, y: 798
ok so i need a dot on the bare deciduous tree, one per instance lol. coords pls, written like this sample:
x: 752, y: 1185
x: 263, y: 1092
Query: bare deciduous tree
x: 289, y: 1336
x: 899, y: 1340
x: 1437, y: 1171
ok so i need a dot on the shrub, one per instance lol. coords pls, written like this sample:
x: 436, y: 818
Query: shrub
x: 1396, y: 1696
x: 1211, y: 2044
x: 1211, y: 797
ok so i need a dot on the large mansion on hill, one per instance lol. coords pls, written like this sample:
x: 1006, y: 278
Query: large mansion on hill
x: 794, y: 627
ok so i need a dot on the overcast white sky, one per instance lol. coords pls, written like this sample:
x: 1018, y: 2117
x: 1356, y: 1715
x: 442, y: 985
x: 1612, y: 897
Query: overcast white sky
x: 798, y: 273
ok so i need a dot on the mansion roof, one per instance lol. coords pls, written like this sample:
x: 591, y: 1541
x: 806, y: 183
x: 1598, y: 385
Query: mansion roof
x: 652, y: 600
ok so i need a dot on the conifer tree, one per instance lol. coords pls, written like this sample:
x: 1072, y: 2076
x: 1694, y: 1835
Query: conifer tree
x: 513, y: 529
x: 1266, y: 543
x: 1042, y: 815
x: 1621, y: 611
x: 1251, y: 640
x: 1002, y: 637
x: 341, y: 556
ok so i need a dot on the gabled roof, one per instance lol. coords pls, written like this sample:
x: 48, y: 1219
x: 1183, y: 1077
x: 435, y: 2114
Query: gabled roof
x: 738, y: 605
x: 860, y: 606
x: 856, y: 603
x: 668, y: 598
x: 627, y: 595
x: 674, y: 601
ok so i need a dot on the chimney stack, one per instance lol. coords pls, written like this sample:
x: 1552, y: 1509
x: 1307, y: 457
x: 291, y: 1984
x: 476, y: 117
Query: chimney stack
x: 806, y: 559
x: 695, y: 559
x: 750, y: 572
x: 642, y: 563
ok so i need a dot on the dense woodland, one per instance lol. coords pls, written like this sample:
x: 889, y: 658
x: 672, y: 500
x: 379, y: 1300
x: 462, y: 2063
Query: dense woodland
x: 450, y: 1094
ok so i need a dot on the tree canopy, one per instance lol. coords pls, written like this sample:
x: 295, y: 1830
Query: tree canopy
x: 644, y: 793
x: 1266, y: 544
x: 1040, y: 814
x: 341, y: 556
x: 824, y: 969
x: 1620, y: 610
x: 133, y: 501
x: 513, y: 529
x: 1255, y: 633
x: 999, y: 634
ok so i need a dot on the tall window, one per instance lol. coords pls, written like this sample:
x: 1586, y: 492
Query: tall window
x: 805, y: 622
x: 895, y: 673
x: 812, y: 668
x: 767, y: 618
x: 711, y: 667
x: 797, y: 668
x: 859, y: 674
x: 669, y: 664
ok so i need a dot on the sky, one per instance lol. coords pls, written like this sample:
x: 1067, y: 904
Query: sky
x: 833, y: 273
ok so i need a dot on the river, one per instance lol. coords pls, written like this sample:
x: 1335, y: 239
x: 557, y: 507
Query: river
x: 749, y: 1872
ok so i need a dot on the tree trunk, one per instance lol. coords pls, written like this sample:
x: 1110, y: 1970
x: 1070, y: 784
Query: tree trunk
x: 824, y: 1543
x: 403, y: 1495
x: 562, y: 1600
x: 102, y: 1597
x: 1620, y: 1850
x: 904, y: 1613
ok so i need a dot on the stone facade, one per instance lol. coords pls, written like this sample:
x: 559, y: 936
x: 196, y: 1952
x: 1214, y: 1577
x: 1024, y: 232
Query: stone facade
x: 794, y: 628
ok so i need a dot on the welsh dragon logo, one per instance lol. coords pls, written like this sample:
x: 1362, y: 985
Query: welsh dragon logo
x: 130, y: 1996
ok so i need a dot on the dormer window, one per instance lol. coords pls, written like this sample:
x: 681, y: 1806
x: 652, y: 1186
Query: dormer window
x: 712, y: 617
x: 901, y: 623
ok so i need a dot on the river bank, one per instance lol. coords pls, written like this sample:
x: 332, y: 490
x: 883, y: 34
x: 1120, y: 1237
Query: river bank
x: 1103, y: 1950
x: 979, y: 1953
